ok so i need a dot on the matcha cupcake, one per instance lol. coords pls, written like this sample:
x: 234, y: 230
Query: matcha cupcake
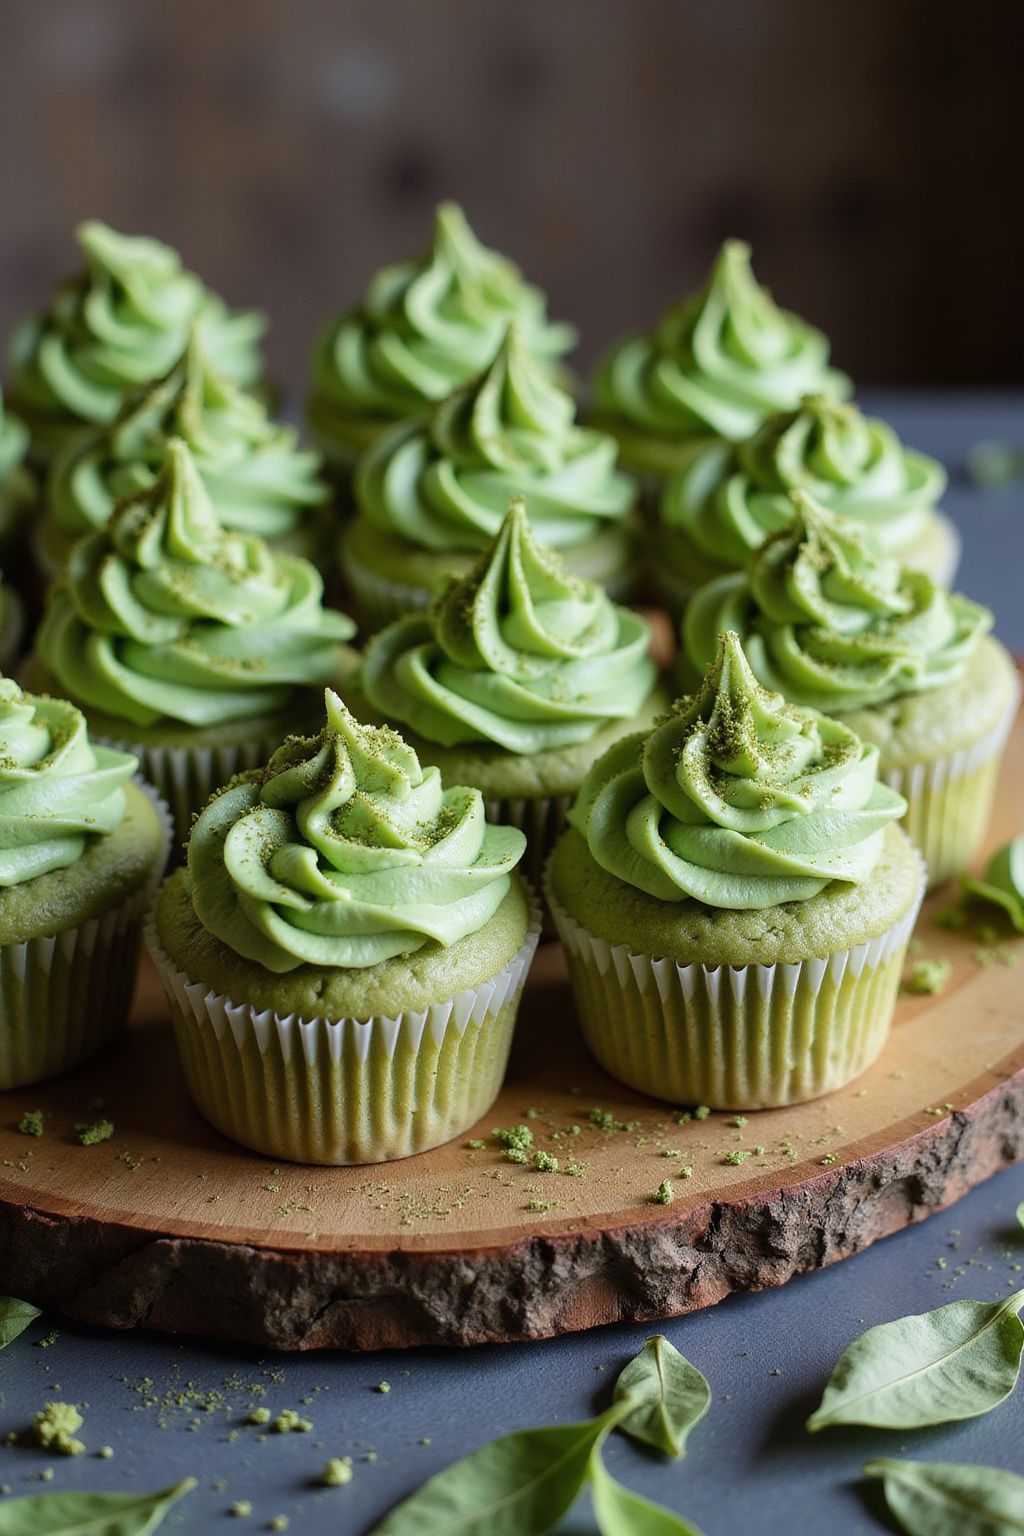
x: 195, y: 648
x: 837, y: 626
x: 424, y: 327
x: 18, y: 488
x: 516, y: 679
x: 81, y: 852
x: 717, y: 365
x: 735, y: 899
x: 113, y: 328
x: 717, y: 511
x: 432, y: 495
x: 345, y: 951
x: 258, y: 478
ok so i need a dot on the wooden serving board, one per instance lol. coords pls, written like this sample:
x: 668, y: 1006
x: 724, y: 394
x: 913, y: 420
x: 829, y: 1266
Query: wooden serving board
x: 168, y: 1225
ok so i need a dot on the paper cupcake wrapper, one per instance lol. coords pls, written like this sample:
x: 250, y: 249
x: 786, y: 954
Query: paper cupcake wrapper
x: 345, y: 1091
x: 949, y: 800
x: 64, y: 996
x: 735, y: 1037
x: 186, y: 777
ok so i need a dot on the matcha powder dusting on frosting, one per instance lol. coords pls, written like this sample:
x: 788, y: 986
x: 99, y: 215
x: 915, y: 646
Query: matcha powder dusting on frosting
x: 344, y: 851
x: 736, y: 798
x: 162, y: 614
x: 518, y: 653
x: 830, y: 621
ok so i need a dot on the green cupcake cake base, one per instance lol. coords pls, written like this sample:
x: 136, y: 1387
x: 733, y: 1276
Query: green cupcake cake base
x: 735, y: 1010
x: 344, y: 1067
x: 69, y: 947
x: 941, y: 750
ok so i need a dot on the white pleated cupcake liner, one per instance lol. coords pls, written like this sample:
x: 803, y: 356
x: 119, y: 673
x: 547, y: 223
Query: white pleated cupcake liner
x: 345, y: 1091
x: 541, y: 820
x: 735, y: 1037
x: 949, y: 800
x: 64, y: 996
x: 186, y: 777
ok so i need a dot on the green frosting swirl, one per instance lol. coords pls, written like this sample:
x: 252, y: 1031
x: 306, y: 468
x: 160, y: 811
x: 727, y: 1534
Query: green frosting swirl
x: 115, y: 327
x: 424, y: 327
x: 832, y: 623
x: 519, y: 653
x: 718, y: 363
x: 345, y: 852
x: 259, y: 479
x: 56, y: 789
x: 162, y: 615
x: 1003, y: 881
x: 445, y: 485
x: 736, y: 798
x: 17, y: 487
x: 729, y: 499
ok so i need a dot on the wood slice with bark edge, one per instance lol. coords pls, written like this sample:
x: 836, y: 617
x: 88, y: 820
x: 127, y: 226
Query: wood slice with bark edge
x: 171, y: 1226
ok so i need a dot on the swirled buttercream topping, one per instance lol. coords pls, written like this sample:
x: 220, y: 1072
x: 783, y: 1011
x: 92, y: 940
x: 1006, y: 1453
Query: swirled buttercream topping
x: 519, y: 653
x: 729, y: 500
x: 426, y: 326
x: 259, y: 479
x: 832, y: 623
x: 57, y: 790
x: 163, y: 615
x: 736, y: 798
x: 118, y: 325
x: 718, y: 363
x: 13, y: 446
x: 344, y: 852
x: 446, y: 485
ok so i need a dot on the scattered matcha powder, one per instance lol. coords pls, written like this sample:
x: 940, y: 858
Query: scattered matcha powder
x: 54, y: 1427
x: 241, y: 1508
x: 701, y: 1112
x: 337, y: 1472
x: 383, y: 1386
x: 735, y: 1157
x: 31, y: 1123
x: 278, y: 1523
x: 545, y: 1162
x: 664, y: 1194
x: 928, y: 977
x: 258, y: 1416
x: 91, y: 1132
x: 739, y: 1121
x: 288, y: 1420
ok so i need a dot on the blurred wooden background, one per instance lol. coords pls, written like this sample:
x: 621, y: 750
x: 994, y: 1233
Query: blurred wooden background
x: 870, y: 149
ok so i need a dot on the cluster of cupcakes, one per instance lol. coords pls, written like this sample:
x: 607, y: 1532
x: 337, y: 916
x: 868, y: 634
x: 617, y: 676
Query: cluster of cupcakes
x: 732, y: 853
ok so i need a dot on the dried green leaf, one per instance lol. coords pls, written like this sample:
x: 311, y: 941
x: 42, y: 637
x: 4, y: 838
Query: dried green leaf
x: 89, y: 1514
x: 670, y: 1396
x: 946, y: 1498
x: 15, y: 1317
x: 957, y: 1362
x: 619, y: 1512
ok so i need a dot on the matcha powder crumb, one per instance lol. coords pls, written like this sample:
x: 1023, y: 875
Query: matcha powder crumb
x: 54, y: 1427
x: 91, y: 1132
x: 31, y: 1123
x: 337, y: 1472
x: 928, y: 977
x: 288, y: 1421
x: 664, y: 1194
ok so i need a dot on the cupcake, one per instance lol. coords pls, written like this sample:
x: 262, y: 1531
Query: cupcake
x: 194, y: 648
x: 735, y: 899
x: 81, y: 851
x: 424, y: 327
x: 716, y: 366
x: 17, y: 483
x: 516, y: 679
x: 345, y: 951
x: 837, y: 626
x: 258, y: 478
x: 113, y: 328
x: 431, y: 495
x: 717, y: 511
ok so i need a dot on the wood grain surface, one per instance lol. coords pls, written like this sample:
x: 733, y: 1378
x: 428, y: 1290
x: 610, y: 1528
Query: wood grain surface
x: 168, y: 1225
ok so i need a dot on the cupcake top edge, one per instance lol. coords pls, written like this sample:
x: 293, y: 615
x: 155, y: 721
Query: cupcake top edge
x: 344, y: 851
x: 736, y: 798
x: 519, y: 653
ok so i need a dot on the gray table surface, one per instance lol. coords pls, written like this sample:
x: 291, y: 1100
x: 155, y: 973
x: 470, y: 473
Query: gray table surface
x: 171, y: 1408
